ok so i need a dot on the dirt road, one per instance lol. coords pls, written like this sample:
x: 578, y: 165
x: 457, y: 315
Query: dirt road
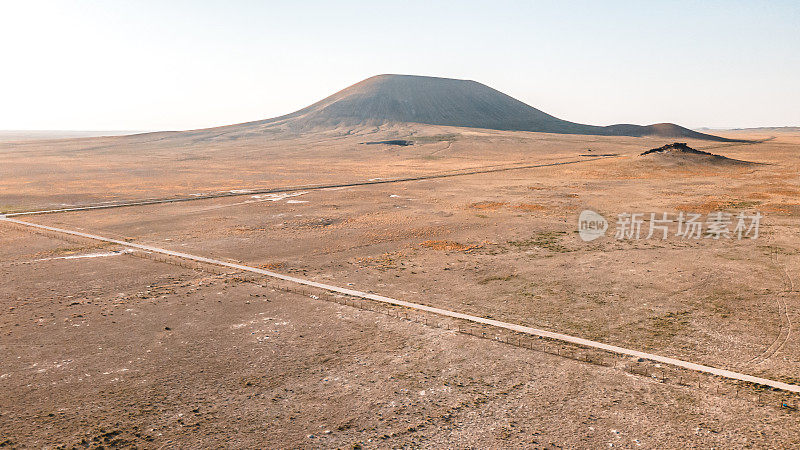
x: 442, y: 312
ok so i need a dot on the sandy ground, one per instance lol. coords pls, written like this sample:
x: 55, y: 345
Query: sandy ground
x: 123, y: 350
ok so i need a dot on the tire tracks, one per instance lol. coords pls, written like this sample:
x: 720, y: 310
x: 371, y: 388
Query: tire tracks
x: 786, y: 322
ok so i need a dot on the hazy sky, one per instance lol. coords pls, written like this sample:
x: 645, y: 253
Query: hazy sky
x: 152, y: 65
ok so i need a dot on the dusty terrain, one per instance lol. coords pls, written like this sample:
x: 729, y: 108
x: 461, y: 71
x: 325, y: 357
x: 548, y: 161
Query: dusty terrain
x: 118, y: 350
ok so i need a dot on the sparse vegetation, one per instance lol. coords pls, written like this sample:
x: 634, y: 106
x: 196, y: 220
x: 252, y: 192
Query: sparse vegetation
x: 488, y: 280
x: 670, y: 324
x: 501, y: 245
x: 549, y: 240
x: 451, y: 246
x: 435, y: 138
x: 487, y: 205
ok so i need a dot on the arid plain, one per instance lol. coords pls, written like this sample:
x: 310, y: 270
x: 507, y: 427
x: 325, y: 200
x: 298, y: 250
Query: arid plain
x: 102, y: 347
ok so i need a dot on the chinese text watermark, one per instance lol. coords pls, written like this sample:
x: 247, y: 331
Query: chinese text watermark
x: 633, y: 226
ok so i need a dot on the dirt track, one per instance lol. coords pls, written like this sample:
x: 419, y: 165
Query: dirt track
x: 446, y: 313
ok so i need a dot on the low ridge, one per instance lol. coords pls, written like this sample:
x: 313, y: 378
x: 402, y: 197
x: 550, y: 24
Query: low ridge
x: 681, y: 153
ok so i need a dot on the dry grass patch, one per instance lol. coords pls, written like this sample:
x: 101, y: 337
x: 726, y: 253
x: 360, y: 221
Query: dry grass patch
x: 487, y: 205
x: 451, y: 246
x: 710, y: 205
x: 789, y: 209
x: 385, y: 261
x: 530, y: 207
x: 488, y: 280
x: 549, y: 240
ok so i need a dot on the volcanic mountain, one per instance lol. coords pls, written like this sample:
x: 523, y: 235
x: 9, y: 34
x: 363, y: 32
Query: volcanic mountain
x: 388, y: 99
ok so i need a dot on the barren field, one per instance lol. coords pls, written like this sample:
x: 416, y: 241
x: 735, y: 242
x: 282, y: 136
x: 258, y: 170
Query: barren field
x: 106, y: 348
x: 58, y: 173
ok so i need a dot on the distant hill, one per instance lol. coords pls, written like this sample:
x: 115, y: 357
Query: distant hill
x: 788, y: 129
x: 386, y: 99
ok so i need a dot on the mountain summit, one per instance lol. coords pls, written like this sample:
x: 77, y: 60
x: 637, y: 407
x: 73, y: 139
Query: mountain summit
x: 386, y: 99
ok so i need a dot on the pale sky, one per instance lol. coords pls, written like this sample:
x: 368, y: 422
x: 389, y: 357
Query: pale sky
x: 169, y: 64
